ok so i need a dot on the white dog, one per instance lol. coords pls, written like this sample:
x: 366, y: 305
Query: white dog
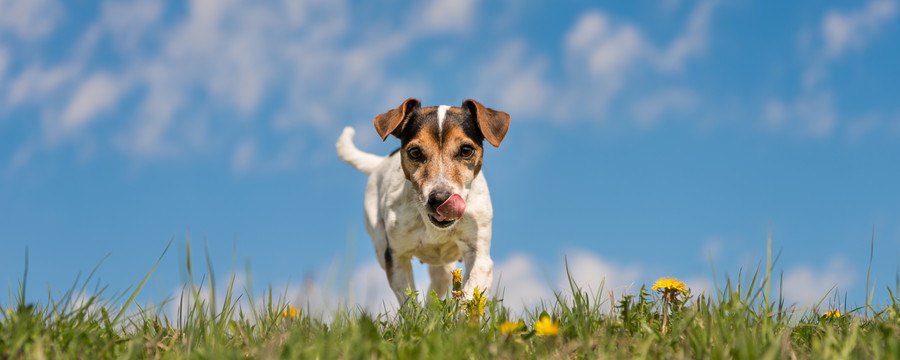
x: 429, y: 199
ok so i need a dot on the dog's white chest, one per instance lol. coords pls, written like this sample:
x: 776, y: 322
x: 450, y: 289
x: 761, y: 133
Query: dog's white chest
x: 409, y: 235
x: 438, y: 253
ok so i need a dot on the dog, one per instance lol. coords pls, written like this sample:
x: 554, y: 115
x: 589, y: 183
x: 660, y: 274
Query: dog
x: 429, y: 198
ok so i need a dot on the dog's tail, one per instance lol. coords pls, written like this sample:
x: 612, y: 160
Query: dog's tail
x: 348, y: 152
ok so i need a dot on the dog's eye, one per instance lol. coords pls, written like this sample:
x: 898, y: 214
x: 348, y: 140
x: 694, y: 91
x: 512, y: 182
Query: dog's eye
x: 415, y: 153
x: 466, y: 151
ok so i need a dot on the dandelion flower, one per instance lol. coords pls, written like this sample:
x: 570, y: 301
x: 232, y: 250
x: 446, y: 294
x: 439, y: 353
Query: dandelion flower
x: 475, y: 307
x: 509, y: 327
x: 667, y: 285
x: 457, y: 284
x: 290, y: 312
x: 670, y: 288
x: 832, y: 314
x: 546, y: 327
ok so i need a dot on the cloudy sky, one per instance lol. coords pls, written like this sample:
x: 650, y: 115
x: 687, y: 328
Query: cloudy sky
x: 648, y: 139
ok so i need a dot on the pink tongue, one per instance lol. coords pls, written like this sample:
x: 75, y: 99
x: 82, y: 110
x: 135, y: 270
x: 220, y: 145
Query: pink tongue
x: 451, y: 209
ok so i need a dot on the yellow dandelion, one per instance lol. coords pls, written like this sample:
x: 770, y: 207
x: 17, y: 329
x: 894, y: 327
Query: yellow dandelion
x: 546, y: 327
x: 457, y: 284
x: 832, y: 314
x: 667, y: 285
x: 669, y: 288
x: 457, y: 279
x: 290, y: 312
x: 509, y: 327
x: 475, y: 306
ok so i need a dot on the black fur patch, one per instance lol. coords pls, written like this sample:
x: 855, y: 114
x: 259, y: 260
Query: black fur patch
x: 389, y: 261
x: 464, y: 119
x: 414, y: 124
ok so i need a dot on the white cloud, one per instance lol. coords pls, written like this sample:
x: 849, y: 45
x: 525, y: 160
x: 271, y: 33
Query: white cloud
x: 701, y: 285
x: 807, y: 285
x: 97, y: 93
x: 37, y: 83
x: 811, y: 115
x: 512, y: 81
x: 601, y: 55
x: 519, y: 282
x: 29, y: 19
x: 813, y: 112
x: 692, y: 41
x: 447, y: 15
x: 240, y: 54
x: 668, y: 103
x: 294, y: 66
x: 130, y: 22
x: 222, y: 57
x: 603, y: 48
x: 369, y: 288
x: 589, y: 271
x: 843, y: 31
x: 611, y: 47
x: 4, y: 62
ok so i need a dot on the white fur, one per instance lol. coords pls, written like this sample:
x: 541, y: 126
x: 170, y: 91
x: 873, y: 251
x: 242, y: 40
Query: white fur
x: 348, y: 152
x: 395, y: 218
x: 441, y: 114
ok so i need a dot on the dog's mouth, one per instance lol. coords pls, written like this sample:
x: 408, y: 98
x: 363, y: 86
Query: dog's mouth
x: 448, y: 212
x: 441, y: 224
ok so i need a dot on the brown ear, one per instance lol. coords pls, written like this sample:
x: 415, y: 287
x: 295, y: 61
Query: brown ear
x: 389, y: 122
x: 493, y: 123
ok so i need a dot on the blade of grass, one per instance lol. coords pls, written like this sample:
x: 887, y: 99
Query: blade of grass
x: 869, y: 272
x: 140, y: 286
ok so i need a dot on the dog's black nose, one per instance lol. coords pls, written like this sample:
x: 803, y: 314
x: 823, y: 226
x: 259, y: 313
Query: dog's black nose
x: 437, y: 197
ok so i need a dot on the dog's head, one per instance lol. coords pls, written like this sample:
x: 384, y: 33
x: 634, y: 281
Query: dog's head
x: 441, y: 151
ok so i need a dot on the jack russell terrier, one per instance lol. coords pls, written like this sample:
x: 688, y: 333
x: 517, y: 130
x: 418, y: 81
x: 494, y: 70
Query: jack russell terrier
x: 429, y: 199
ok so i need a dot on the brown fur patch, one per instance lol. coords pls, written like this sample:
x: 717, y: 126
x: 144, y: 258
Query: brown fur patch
x: 423, y: 112
x: 460, y: 171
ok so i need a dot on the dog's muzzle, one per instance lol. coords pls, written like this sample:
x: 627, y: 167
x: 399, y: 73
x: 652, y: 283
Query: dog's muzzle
x: 448, y: 211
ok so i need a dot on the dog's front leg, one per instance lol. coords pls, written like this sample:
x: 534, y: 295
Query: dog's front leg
x: 479, y: 273
x: 400, y: 276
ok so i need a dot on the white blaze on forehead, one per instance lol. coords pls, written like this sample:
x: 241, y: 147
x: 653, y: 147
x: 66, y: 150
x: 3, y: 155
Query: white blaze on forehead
x: 442, y: 113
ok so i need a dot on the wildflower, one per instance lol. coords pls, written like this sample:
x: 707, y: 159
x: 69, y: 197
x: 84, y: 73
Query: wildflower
x: 546, y: 327
x: 509, y: 327
x: 832, y: 314
x: 670, y: 288
x: 475, y: 306
x: 290, y: 312
x: 457, y: 284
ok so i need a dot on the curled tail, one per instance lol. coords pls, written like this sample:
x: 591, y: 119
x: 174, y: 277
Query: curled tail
x: 348, y: 152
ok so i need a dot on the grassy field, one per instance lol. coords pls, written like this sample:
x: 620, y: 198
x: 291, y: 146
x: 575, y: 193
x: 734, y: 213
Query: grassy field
x: 744, y: 319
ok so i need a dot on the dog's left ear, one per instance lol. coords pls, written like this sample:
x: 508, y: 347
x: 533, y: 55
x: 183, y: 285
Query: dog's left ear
x: 493, y: 123
x: 391, y: 121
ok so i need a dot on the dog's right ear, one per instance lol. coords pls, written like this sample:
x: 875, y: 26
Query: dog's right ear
x: 391, y: 121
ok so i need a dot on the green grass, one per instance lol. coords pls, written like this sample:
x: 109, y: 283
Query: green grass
x: 743, y: 319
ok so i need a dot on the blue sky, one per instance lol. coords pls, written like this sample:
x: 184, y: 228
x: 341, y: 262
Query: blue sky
x: 648, y: 139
